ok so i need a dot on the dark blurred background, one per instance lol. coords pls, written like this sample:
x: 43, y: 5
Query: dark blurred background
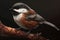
x: 49, y: 9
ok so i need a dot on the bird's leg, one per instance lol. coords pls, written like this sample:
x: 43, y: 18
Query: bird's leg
x: 29, y: 32
x: 18, y: 28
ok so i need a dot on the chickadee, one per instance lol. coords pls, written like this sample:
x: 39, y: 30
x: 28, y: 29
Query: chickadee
x: 27, y: 18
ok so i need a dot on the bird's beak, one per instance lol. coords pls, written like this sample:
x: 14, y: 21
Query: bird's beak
x: 10, y: 9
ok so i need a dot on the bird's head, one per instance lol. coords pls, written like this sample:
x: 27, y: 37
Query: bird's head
x: 19, y: 8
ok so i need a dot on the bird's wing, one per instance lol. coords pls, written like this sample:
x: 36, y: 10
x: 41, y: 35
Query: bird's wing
x: 35, y: 17
x: 41, y: 20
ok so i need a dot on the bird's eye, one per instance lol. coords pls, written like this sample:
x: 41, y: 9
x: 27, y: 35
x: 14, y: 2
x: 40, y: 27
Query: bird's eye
x: 21, y: 10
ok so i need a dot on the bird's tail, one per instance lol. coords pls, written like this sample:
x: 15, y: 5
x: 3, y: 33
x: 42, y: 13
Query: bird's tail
x: 50, y: 24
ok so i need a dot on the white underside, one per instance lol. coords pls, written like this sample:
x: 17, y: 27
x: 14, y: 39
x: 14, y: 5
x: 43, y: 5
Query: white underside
x: 17, y: 20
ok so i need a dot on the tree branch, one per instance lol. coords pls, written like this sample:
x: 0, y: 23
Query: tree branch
x: 13, y: 32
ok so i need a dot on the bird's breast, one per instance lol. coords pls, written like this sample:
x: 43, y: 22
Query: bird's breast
x: 27, y: 24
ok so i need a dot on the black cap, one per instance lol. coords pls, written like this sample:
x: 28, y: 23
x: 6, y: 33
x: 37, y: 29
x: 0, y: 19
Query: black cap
x: 20, y: 5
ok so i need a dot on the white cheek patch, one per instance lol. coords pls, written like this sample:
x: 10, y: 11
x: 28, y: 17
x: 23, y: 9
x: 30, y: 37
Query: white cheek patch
x: 18, y: 17
x: 21, y: 10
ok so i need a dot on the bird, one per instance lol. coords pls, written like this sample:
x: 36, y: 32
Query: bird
x: 27, y: 18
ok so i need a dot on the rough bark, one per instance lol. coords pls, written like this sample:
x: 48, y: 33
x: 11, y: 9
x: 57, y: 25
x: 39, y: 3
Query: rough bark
x: 13, y: 32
